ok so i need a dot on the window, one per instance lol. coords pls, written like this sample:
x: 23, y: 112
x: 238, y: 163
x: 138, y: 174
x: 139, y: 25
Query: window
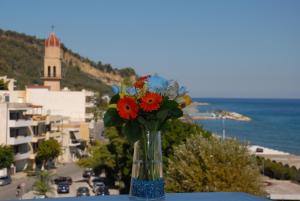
x: 20, y: 131
x: 49, y: 71
x: 17, y: 115
x: 54, y: 71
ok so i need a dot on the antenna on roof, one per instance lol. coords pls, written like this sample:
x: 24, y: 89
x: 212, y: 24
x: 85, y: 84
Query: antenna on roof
x: 52, y: 28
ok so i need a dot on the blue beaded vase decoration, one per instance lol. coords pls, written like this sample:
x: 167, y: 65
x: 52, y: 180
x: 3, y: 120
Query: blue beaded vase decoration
x: 147, y: 182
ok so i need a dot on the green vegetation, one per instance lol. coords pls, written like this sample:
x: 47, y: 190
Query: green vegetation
x: 21, y: 58
x: 48, y: 150
x: 118, y: 159
x: 114, y: 157
x: 76, y: 80
x: 42, y: 184
x: 100, y: 158
x: 175, y: 133
x: 6, y: 156
x: 3, y: 85
x: 277, y: 170
x: 212, y: 165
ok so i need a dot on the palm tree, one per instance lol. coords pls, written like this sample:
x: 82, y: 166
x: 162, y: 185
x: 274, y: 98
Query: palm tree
x: 42, y: 185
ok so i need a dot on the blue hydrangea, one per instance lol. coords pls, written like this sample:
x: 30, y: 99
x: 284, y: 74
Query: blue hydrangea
x: 182, y: 90
x: 115, y: 89
x: 131, y: 91
x: 157, y: 84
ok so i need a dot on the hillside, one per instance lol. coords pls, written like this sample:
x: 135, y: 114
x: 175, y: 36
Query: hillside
x: 21, y: 58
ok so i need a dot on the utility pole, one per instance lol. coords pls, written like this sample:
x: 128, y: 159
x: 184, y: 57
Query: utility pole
x: 223, y: 124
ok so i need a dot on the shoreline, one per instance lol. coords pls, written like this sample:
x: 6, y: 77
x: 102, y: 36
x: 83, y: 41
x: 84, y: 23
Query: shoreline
x: 219, y: 115
x: 283, y: 157
x: 275, y: 155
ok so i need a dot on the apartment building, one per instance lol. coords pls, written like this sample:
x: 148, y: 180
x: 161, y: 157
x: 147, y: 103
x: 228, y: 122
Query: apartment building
x: 15, y: 130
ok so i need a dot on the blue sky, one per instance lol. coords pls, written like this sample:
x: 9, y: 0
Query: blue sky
x: 215, y: 48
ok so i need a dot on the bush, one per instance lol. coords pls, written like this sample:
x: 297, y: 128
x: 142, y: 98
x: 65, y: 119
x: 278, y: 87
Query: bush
x: 277, y: 170
x: 210, y: 165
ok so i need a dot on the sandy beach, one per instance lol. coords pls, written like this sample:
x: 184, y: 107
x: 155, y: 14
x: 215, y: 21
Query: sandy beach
x: 276, y: 155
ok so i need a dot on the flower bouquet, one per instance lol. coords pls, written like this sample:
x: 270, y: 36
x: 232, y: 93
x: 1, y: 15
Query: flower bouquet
x: 140, y: 109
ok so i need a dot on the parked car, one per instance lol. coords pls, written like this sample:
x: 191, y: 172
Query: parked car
x: 96, y: 185
x: 83, y: 191
x: 5, y: 180
x: 87, y: 173
x: 98, y: 179
x: 102, y: 190
x: 63, y: 187
x: 61, y: 179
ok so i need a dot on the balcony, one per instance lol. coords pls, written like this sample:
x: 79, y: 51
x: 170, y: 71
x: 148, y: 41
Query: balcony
x: 89, y: 104
x: 22, y: 156
x: 36, y: 138
x: 19, y: 140
x: 20, y: 123
x: 89, y: 115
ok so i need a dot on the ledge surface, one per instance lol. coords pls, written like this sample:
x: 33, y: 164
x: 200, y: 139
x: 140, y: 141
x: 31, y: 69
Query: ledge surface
x: 216, y: 196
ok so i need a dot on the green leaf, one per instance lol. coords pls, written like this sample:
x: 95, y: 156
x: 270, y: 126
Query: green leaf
x: 162, y: 114
x: 112, y: 118
x: 176, y: 113
x: 132, y: 131
x: 141, y: 120
x: 169, y: 104
x: 114, y: 99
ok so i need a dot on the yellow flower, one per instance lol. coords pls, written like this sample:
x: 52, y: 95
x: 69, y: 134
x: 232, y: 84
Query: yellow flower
x: 187, y: 100
x: 112, y: 106
x: 184, y: 101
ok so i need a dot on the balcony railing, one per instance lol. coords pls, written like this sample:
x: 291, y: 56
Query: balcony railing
x: 19, y: 140
x: 21, y: 156
x: 89, y: 104
x: 89, y: 115
x: 20, y: 123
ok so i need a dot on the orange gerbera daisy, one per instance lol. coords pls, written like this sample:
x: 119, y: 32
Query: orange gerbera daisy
x: 151, y: 101
x: 127, y: 108
x: 141, y: 82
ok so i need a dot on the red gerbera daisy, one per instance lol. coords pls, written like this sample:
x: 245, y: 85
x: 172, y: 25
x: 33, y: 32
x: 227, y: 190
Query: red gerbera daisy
x: 127, y: 107
x: 141, y: 81
x: 151, y: 101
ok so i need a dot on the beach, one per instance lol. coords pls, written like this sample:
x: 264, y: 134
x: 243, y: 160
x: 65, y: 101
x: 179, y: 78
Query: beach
x: 275, y: 155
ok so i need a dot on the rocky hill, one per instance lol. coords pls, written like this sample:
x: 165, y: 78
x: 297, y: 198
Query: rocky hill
x: 21, y: 58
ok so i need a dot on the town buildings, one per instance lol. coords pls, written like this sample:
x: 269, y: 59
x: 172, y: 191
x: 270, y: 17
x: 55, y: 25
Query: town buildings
x: 27, y: 117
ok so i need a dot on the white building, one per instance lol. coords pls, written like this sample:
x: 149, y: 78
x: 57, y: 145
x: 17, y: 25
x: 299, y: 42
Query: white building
x: 15, y: 130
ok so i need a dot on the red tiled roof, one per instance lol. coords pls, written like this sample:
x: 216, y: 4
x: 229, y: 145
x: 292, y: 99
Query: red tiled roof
x: 52, y: 40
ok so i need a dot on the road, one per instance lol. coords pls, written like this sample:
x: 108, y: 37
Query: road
x: 72, y: 170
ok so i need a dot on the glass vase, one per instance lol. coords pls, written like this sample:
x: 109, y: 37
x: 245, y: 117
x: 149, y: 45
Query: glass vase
x: 147, y: 182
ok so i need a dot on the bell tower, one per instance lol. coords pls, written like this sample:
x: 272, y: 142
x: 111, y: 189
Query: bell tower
x: 52, y: 63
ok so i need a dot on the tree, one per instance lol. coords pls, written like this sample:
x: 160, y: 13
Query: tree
x: 212, y: 165
x: 100, y: 158
x: 176, y: 132
x: 6, y: 156
x: 115, y: 157
x: 42, y: 184
x: 48, y: 150
x: 3, y: 85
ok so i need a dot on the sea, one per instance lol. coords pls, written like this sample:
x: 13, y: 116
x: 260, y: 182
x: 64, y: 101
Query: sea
x: 275, y: 122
